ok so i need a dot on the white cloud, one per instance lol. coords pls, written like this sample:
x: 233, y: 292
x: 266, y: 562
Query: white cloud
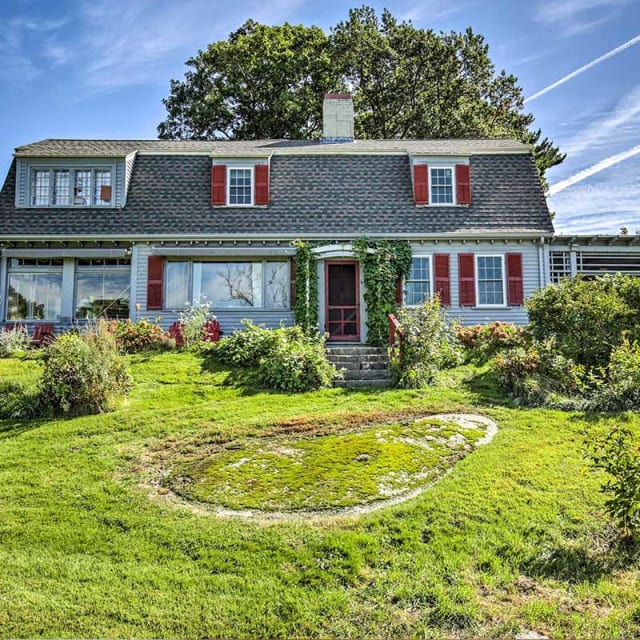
x: 572, y: 17
x: 623, y: 120
x: 435, y: 10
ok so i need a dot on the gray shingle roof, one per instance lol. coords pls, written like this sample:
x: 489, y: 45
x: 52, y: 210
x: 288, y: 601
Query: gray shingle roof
x: 341, y: 194
x: 120, y: 148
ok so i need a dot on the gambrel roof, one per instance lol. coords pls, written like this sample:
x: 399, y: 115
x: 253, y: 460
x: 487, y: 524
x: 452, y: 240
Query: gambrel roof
x: 316, y: 190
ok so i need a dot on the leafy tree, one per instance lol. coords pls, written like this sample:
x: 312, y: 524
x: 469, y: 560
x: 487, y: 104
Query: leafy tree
x: 263, y: 82
x: 268, y: 82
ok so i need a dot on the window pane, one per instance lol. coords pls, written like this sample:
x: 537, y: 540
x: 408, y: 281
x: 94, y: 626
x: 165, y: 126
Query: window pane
x: 40, y: 182
x: 82, y: 188
x: 61, y: 185
x: 441, y: 186
x: 102, y: 179
x: 240, y: 186
x: 277, y: 286
x: 34, y: 296
x: 228, y: 284
x: 418, y: 283
x: 102, y: 294
x: 490, y: 280
x: 177, y: 285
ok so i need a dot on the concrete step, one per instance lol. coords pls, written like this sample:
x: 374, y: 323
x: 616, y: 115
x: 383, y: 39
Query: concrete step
x: 361, y: 384
x: 338, y: 357
x: 366, y: 374
x: 356, y: 365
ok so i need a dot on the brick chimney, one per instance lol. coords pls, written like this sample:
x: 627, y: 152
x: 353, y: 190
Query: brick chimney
x: 337, y: 118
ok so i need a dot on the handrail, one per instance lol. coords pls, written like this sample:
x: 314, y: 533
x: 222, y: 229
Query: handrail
x: 396, y: 333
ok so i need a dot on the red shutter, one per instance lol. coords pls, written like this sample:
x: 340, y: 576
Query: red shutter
x: 463, y: 184
x: 218, y: 185
x: 442, y: 280
x: 261, y: 187
x: 399, y: 292
x: 515, y: 292
x: 421, y: 183
x: 155, y: 284
x: 467, y: 279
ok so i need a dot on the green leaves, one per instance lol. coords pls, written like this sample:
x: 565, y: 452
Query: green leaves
x: 268, y: 82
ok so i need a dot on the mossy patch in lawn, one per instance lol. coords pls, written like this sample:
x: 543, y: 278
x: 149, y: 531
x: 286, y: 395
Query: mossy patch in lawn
x: 328, y: 471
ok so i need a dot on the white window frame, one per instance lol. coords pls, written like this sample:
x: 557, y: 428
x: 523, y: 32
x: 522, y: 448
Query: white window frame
x: 72, y: 169
x: 32, y: 270
x: 250, y: 168
x: 429, y: 256
x: 80, y: 269
x: 452, y: 168
x: 504, y: 304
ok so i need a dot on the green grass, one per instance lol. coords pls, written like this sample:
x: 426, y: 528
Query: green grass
x: 513, y: 538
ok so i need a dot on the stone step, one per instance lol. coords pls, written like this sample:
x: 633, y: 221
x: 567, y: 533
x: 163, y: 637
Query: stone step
x: 356, y: 351
x: 361, y: 384
x: 357, y: 365
x: 347, y: 358
x: 366, y: 374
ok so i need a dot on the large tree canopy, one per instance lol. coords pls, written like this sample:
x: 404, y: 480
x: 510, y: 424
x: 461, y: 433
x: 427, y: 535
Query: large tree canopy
x: 268, y: 82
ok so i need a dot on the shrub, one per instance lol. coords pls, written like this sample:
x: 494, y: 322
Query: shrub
x: 617, y: 453
x: 287, y: 359
x: 428, y: 345
x: 538, y: 374
x: 619, y: 388
x: 83, y: 373
x: 484, y: 341
x: 297, y: 362
x: 19, y: 401
x: 14, y: 341
x: 587, y: 318
x: 134, y: 337
x: 192, y: 321
x: 245, y: 348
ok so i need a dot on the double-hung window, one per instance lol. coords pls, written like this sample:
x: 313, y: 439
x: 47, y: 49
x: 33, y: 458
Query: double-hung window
x: 417, y: 285
x: 490, y: 280
x: 35, y: 289
x: 442, y: 186
x: 78, y: 187
x: 240, y: 186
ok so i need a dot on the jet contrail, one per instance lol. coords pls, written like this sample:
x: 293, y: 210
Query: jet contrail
x: 584, y: 68
x: 593, y: 169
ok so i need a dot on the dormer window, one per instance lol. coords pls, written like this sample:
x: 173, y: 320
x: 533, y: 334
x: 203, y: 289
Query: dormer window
x: 240, y: 186
x: 78, y: 187
x: 441, y: 185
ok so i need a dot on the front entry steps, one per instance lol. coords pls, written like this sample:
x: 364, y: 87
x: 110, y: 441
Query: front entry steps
x: 362, y: 366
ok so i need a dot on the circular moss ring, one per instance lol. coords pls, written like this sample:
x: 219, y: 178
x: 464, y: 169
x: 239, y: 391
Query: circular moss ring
x: 334, y: 475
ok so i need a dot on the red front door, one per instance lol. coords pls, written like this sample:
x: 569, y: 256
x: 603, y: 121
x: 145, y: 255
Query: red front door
x: 342, y: 314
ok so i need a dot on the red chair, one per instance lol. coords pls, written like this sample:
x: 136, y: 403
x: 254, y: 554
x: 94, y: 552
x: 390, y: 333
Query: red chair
x: 211, y: 331
x: 42, y: 335
x: 175, y: 332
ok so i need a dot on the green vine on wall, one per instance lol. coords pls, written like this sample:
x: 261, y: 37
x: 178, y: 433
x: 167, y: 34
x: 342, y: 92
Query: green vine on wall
x: 305, y: 308
x: 383, y: 262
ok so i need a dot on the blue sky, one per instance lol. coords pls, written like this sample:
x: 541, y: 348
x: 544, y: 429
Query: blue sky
x: 100, y: 68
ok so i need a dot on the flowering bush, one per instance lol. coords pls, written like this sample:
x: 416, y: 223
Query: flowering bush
x: 134, y: 337
x: 192, y: 322
x: 484, y: 341
x: 83, y: 372
x: 538, y: 374
x: 428, y: 344
x: 14, y: 341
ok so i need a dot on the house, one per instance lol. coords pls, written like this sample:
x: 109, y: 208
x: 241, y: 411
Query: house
x: 139, y: 228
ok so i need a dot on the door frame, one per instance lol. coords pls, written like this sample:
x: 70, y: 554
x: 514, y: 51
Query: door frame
x: 327, y: 264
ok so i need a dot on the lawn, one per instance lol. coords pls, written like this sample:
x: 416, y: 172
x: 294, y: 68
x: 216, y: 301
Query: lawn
x: 93, y: 545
